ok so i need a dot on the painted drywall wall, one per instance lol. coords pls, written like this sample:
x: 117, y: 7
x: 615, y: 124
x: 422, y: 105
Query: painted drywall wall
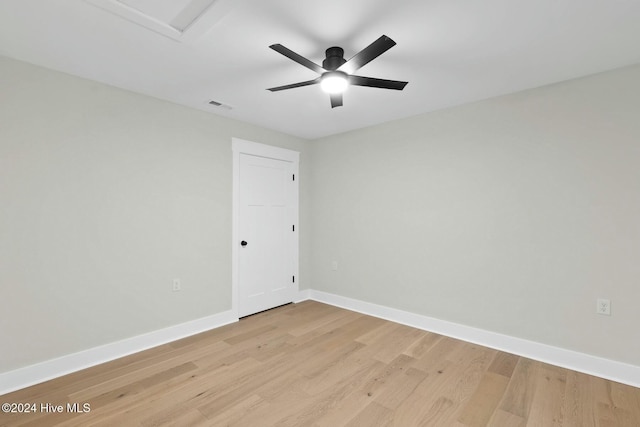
x: 106, y: 196
x: 512, y: 215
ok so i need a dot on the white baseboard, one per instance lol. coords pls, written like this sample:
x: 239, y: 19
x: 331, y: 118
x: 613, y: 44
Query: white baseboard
x: 35, y: 374
x: 581, y: 362
x: 303, y: 295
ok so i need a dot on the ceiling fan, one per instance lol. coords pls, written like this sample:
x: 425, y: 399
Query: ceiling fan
x: 336, y: 72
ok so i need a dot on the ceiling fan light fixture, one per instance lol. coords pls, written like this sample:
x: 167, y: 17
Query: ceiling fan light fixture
x: 336, y: 74
x: 334, y: 82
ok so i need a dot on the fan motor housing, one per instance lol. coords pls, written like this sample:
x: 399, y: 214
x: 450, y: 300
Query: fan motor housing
x: 335, y: 58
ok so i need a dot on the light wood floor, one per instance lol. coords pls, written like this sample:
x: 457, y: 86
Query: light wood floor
x: 311, y: 364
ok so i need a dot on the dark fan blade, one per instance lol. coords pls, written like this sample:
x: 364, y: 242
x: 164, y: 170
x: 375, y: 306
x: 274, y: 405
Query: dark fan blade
x: 367, y: 54
x: 294, y: 85
x: 336, y: 100
x: 298, y: 58
x: 381, y: 83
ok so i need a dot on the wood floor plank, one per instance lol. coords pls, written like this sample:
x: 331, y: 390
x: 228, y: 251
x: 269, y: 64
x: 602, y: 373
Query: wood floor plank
x: 311, y: 364
x: 611, y: 407
x: 502, y: 418
x: 482, y: 404
x: 504, y: 364
x: 386, y: 375
x: 470, y: 367
x: 438, y: 353
x: 472, y: 364
x: 233, y: 414
x: 400, y: 388
x: 398, y: 339
x: 428, y: 404
x: 578, y: 400
x: 324, y: 331
x: 293, y: 408
x: 420, y: 347
x: 623, y: 398
x: 320, y: 320
x: 519, y: 395
x: 373, y: 415
x: 547, y: 404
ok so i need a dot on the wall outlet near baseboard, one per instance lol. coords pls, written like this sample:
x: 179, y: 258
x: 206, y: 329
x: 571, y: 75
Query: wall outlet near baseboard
x: 603, y: 306
x: 177, y: 285
x: 334, y: 265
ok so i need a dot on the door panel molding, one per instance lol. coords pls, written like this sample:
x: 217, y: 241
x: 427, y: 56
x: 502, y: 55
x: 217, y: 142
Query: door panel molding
x: 239, y: 147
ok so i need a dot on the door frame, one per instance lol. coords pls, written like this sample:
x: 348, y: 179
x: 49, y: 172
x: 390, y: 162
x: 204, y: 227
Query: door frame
x: 241, y: 146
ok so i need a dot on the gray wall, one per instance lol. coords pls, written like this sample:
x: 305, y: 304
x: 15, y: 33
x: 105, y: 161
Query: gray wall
x: 105, y: 197
x: 511, y: 215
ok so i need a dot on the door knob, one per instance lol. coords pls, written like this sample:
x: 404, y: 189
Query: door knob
x: 243, y: 243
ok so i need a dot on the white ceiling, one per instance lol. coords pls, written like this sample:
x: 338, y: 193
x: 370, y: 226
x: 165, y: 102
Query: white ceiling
x: 451, y: 51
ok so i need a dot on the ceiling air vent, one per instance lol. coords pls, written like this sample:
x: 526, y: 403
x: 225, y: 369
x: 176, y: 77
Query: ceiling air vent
x: 220, y: 105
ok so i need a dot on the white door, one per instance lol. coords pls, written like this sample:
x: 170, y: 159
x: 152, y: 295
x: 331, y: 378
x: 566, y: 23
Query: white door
x: 266, y: 242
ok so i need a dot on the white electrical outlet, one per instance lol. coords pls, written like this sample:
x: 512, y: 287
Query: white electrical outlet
x: 334, y: 265
x: 603, y: 306
x: 176, y: 285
